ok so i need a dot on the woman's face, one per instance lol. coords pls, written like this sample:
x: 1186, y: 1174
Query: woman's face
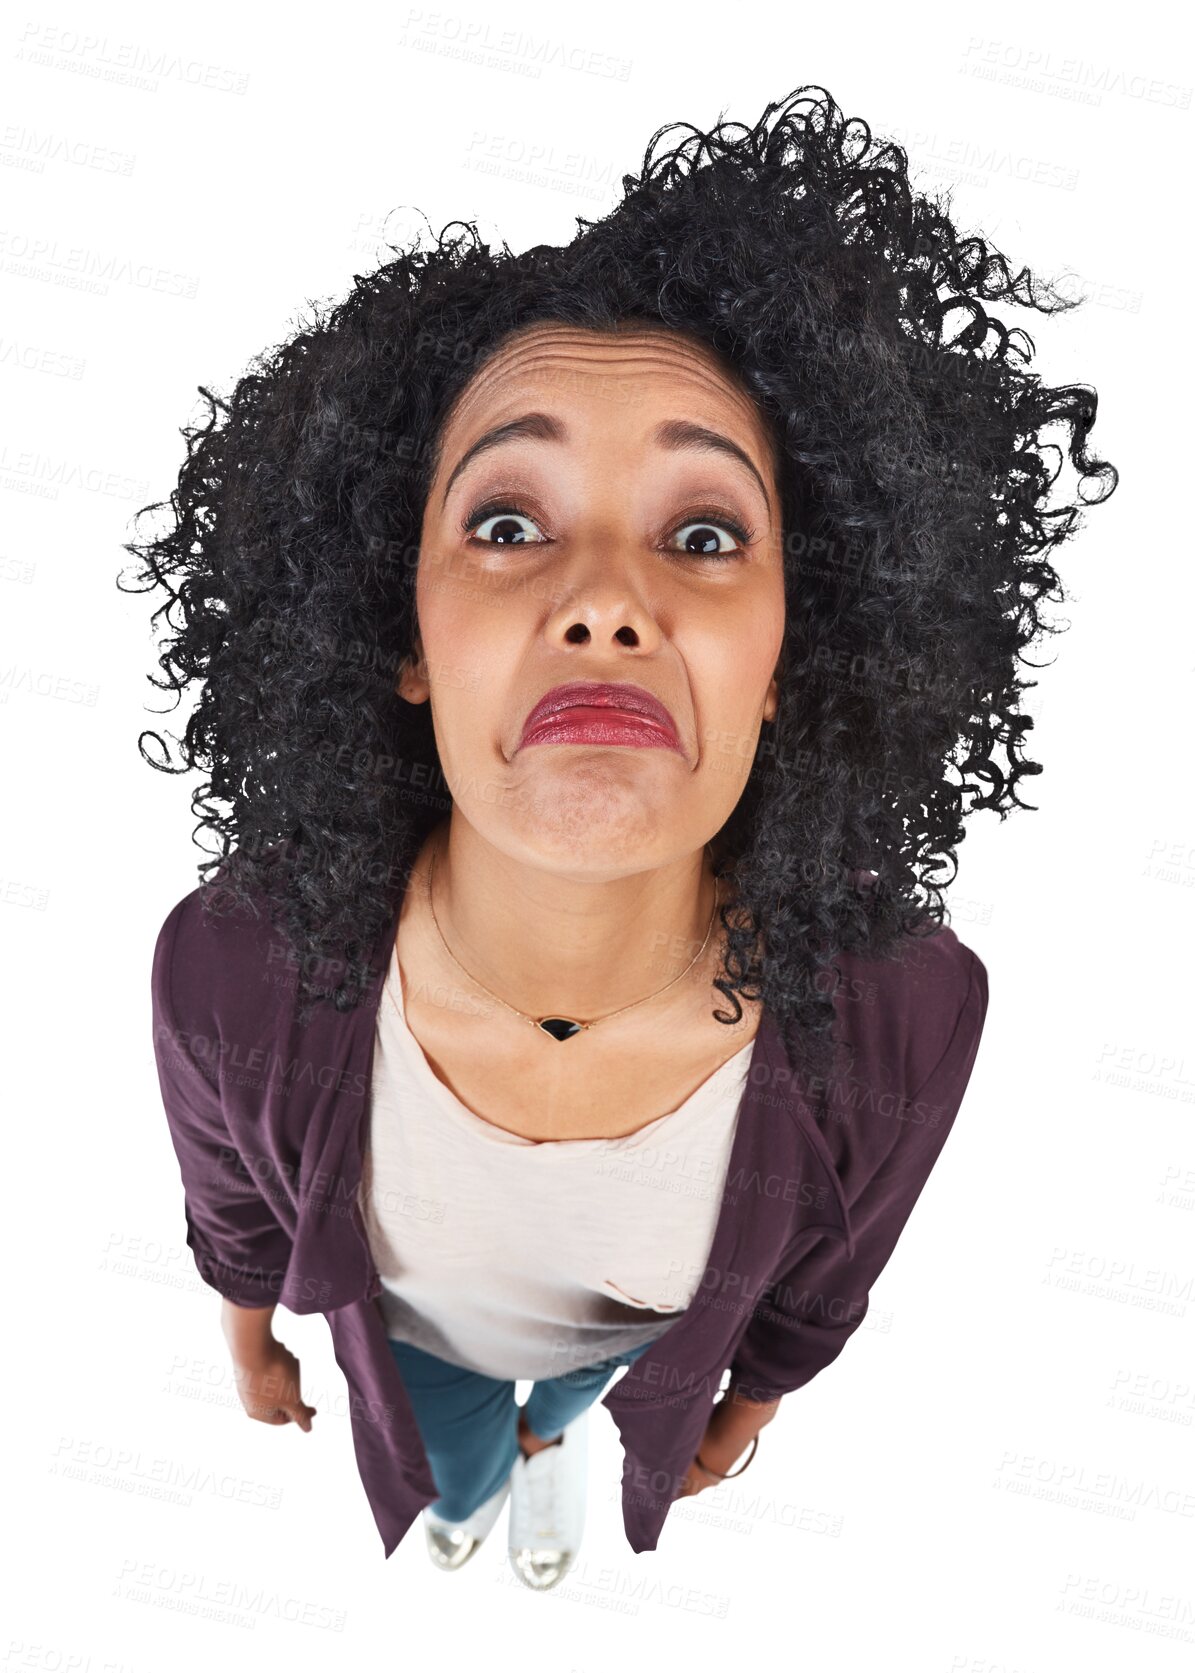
x: 604, y: 509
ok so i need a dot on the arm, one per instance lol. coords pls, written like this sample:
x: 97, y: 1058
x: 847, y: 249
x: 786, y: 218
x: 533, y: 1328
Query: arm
x: 249, y: 1331
x: 241, y: 1249
x: 810, y: 1312
x: 734, y: 1423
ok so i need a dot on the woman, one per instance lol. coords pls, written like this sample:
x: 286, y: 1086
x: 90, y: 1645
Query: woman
x: 585, y: 642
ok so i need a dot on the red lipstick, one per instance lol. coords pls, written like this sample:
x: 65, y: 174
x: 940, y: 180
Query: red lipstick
x: 594, y: 712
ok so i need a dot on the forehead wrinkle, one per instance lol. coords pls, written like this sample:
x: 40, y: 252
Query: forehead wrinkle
x: 657, y: 351
x: 562, y: 348
x: 657, y: 347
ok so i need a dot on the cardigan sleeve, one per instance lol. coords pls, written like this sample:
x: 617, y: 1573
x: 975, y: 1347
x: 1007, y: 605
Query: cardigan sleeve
x: 240, y: 1247
x: 809, y: 1313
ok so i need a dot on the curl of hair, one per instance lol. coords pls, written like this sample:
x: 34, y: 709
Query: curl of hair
x: 914, y: 471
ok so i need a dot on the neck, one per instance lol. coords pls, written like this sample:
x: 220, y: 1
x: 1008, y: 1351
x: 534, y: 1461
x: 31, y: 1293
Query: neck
x: 567, y: 943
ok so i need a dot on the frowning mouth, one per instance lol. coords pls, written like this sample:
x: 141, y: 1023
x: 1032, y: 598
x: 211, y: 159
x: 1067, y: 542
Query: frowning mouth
x: 596, y: 712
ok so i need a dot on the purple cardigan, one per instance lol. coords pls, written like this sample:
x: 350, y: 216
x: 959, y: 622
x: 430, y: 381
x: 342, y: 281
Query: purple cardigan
x: 269, y: 1124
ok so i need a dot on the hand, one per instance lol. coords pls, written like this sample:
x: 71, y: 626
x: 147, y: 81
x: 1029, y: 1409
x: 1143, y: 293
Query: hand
x: 696, y: 1479
x: 732, y: 1427
x: 268, y: 1386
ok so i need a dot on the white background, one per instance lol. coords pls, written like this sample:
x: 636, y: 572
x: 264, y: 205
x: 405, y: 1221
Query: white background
x: 998, y: 1473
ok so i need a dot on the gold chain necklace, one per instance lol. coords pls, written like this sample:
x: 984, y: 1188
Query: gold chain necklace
x: 558, y: 1027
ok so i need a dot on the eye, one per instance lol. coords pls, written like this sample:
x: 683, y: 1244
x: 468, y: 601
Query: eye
x: 703, y: 532
x: 702, y: 539
x: 506, y: 531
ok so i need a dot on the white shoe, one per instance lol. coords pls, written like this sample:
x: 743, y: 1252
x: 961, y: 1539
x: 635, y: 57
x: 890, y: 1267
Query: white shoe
x: 547, y: 1508
x: 451, y: 1544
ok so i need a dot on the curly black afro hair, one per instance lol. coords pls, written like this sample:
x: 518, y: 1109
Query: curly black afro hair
x: 913, y: 473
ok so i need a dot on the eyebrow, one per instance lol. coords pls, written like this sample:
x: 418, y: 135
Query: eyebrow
x: 677, y: 434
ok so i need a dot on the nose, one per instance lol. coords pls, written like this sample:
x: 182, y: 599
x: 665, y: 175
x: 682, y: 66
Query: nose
x: 581, y: 633
x: 603, y: 605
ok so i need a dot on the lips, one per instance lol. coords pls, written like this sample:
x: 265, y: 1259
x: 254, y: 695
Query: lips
x: 592, y: 711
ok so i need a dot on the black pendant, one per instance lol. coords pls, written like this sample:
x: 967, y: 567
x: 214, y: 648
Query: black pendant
x: 560, y: 1028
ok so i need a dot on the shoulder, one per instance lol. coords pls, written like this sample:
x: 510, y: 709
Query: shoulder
x: 917, y: 1014
x: 215, y: 961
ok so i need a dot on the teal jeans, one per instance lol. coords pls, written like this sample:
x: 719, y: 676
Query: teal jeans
x: 469, y: 1422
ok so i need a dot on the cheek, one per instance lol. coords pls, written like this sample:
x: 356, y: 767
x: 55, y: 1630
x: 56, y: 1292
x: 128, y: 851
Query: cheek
x: 456, y: 625
x: 738, y: 653
x: 730, y: 675
x: 472, y: 663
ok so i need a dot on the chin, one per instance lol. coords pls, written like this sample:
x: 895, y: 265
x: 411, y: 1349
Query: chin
x: 581, y: 836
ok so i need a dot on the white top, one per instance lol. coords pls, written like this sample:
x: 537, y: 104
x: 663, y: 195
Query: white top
x: 526, y: 1258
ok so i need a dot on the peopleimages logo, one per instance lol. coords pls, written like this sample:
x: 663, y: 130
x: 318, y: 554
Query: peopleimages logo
x: 1066, y: 75
x: 228, y: 1057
